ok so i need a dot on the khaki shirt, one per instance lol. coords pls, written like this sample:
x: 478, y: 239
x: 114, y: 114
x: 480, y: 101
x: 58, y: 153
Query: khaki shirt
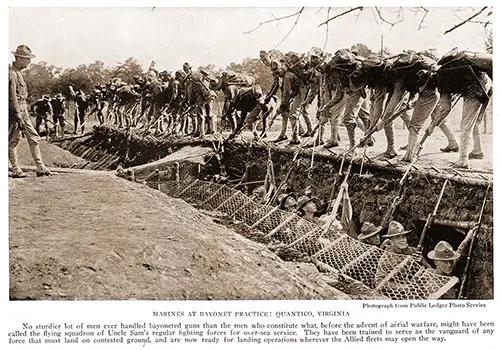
x: 18, y: 90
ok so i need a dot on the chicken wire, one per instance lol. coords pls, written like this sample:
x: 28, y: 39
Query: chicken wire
x: 314, y: 240
x: 394, y: 276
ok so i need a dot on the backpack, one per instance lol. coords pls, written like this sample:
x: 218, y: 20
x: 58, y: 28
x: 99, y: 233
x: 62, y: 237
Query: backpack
x: 379, y: 72
x: 238, y: 79
x: 480, y: 62
x: 408, y: 65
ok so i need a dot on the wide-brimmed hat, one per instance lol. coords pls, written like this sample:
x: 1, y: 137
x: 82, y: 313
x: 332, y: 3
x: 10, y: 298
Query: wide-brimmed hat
x: 23, y: 51
x: 46, y: 97
x: 283, y: 197
x: 303, y: 200
x: 395, y: 229
x: 368, y: 229
x: 443, y: 251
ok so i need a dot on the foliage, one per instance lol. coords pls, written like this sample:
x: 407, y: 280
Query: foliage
x: 40, y: 79
x: 363, y: 50
x: 127, y: 70
x: 431, y: 53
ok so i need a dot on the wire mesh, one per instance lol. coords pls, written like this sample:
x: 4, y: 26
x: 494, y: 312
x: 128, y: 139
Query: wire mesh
x: 395, y: 276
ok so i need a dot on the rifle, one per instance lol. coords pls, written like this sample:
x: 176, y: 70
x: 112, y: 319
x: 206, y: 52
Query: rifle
x: 281, y: 186
x: 465, y: 274
x: 336, y: 205
x: 334, y: 185
x: 431, y: 217
x: 399, y: 196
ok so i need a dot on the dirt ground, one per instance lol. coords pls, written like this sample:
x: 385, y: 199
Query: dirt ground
x: 95, y: 236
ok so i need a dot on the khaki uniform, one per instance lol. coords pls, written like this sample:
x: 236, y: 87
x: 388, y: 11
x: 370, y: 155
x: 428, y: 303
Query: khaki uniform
x: 18, y: 108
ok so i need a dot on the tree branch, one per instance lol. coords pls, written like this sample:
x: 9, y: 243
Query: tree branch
x: 291, y: 29
x: 360, y: 8
x: 465, y: 21
x: 326, y: 36
x: 421, y: 24
x: 276, y: 19
x: 383, y: 20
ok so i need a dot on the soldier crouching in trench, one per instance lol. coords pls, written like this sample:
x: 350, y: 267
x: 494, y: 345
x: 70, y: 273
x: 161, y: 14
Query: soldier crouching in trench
x: 446, y: 260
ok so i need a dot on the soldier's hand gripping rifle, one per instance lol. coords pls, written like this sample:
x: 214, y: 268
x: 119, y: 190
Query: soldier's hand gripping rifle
x: 431, y: 217
x: 465, y: 275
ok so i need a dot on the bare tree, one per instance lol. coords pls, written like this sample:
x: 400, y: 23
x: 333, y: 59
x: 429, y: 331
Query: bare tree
x: 384, y: 16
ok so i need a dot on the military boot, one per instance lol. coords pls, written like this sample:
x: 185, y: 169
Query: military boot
x: 463, y: 159
x: 309, y: 131
x: 477, y: 152
x: 284, y: 125
x: 412, y: 143
x: 321, y: 131
x: 390, y: 152
x: 294, y: 123
x: 452, y: 143
x: 351, y: 133
x: 334, y: 139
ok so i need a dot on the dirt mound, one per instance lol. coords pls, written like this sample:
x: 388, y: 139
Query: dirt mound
x: 95, y: 236
x: 52, y: 155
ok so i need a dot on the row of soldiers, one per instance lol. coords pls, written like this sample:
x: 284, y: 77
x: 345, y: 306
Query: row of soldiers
x: 377, y: 89
x: 54, y: 108
x: 350, y: 90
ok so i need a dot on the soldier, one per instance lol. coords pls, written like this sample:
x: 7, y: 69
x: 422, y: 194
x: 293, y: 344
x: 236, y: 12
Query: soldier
x: 99, y: 103
x: 406, y: 78
x: 427, y: 99
x: 198, y: 95
x: 349, y: 97
x: 468, y: 76
x: 59, y: 108
x: 258, y: 194
x: 82, y: 105
x: 306, y: 207
x: 19, y: 119
x: 312, y: 87
x: 287, y: 201
x: 42, y: 109
x: 446, y: 259
x: 370, y: 234
x: 290, y: 97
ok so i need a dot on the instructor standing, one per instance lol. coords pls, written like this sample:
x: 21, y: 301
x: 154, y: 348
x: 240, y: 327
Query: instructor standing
x: 19, y: 119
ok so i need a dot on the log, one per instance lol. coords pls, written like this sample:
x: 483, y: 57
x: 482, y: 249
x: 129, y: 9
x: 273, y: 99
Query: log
x: 376, y: 166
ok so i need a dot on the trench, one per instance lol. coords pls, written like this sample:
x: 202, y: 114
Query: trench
x: 371, y: 193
